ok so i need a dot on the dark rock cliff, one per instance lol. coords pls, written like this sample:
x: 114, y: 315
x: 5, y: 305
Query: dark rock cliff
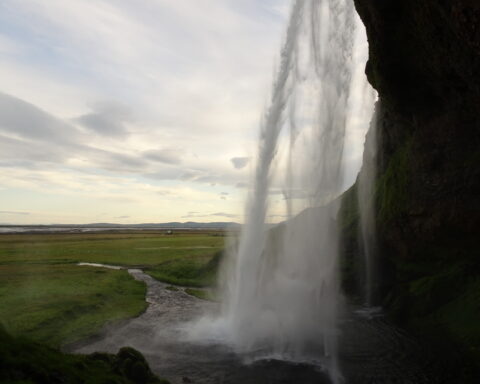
x: 424, y: 61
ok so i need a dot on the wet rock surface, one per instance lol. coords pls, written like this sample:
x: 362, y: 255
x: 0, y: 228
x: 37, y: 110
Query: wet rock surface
x: 424, y: 61
x: 374, y: 351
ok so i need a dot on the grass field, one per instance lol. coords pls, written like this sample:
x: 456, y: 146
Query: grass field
x: 45, y: 296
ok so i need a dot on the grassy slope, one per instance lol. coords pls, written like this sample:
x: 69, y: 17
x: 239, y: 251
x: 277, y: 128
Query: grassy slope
x: 23, y: 361
x: 45, y: 296
x: 192, y: 271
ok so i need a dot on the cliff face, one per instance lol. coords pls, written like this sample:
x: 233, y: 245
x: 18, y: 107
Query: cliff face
x: 424, y: 61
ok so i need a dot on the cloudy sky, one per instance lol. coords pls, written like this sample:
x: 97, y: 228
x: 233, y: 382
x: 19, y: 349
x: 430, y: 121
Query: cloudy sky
x: 132, y: 111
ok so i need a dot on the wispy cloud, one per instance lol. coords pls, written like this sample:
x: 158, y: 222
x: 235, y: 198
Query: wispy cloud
x: 22, y: 119
x: 223, y: 214
x: 108, y: 119
x: 192, y: 215
x: 165, y: 155
x: 30, y: 136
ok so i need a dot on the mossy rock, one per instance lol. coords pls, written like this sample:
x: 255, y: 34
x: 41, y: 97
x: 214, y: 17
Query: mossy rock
x: 132, y: 364
x: 23, y: 361
x: 392, y: 186
x: 139, y: 372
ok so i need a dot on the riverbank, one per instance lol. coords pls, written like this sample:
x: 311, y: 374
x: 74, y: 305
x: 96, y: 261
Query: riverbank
x: 46, y: 297
x: 172, y: 335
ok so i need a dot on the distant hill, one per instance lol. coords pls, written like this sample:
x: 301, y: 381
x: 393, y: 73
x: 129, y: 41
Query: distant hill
x: 11, y: 228
x: 170, y: 225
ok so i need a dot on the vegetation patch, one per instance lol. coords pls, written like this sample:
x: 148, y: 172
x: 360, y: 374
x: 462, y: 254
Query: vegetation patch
x: 204, y: 294
x: 45, y: 296
x: 195, y: 271
x: 391, y: 188
x: 115, y: 249
x: 350, y: 262
x: 172, y: 288
x: 62, y: 303
x: 23, y: 361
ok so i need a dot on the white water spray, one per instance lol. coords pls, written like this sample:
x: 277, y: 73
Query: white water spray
x: 282, y: 296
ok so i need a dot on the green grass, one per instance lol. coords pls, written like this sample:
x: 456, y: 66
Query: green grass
x: 190, y: 271
x: 120, y: 249
x: 59, y: 303
x: 204, y: 294
x: 45, y: 296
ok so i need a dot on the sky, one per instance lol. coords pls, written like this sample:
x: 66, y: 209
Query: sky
x: 134, y: 111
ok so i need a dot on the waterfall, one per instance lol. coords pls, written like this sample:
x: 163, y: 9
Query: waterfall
x: 281, y: 288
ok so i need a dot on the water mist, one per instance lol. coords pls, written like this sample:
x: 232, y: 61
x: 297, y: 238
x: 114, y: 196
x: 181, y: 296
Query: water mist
x: 282, y: 294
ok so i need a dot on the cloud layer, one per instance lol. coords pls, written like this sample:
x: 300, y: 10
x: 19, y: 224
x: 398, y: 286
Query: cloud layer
x: 131, y: 103
x: 134, y: 111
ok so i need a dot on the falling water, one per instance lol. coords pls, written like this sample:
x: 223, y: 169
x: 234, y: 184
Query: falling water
x: 282, y: 296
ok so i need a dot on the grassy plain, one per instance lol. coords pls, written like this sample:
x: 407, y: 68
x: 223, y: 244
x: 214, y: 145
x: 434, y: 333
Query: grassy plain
x: 45, y: 296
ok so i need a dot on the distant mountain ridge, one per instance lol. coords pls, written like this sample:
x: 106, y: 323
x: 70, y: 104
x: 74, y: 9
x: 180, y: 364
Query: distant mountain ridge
x: 172, y: 224
x: 169, y: 225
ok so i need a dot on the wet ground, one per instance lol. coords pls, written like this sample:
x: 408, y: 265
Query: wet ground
x: 371, y: 350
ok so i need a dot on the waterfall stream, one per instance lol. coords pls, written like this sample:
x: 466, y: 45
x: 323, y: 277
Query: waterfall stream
x: 282, y: 309
x: 282, y: 294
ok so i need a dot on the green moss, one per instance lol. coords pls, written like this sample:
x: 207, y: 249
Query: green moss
x: 131, y: 364
x: 461, y: 316
x: 391, y: 188
x: 348, y: 221
x: 452, y: 321
x: 434, y: 290
x: 439, y: 299
x: 23, y: 361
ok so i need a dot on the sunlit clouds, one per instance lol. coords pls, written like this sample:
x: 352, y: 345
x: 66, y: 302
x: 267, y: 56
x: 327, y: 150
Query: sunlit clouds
x: 132, y: 111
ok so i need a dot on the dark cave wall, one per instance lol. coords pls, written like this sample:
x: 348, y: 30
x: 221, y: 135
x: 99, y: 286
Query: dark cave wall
x: 424, y: 61
x: 423, y: 54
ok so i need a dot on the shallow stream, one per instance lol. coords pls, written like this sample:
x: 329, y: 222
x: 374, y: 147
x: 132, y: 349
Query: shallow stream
x: 372, y: 351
